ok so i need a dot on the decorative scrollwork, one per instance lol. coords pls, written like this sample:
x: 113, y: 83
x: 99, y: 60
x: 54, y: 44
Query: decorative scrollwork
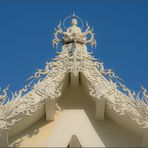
x: 74, y: 58
x: 58, y: 31
x: 74, y: 34
x: 4, y: 95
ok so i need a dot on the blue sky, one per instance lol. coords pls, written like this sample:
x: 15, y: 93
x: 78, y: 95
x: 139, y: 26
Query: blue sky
x: 27, y: 28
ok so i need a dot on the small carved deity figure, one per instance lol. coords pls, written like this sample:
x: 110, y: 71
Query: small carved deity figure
x: 73, y: 32
x: 74, y: 29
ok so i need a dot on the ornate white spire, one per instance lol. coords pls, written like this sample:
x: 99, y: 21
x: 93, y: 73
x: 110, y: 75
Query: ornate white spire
x: 74, y: 34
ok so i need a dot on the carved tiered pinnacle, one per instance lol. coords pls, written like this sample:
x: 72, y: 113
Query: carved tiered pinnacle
x: 74, y: 34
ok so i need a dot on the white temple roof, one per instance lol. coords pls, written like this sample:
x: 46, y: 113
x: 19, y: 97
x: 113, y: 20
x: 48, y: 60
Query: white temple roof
x: 121, y: 104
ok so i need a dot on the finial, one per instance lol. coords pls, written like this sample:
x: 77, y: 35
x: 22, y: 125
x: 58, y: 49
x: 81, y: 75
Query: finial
x: 60, y: 23
x: 73, y: 14
x: 74, y: 33
x: 87, y: 23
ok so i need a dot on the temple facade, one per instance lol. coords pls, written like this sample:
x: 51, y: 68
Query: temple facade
x: 74, y: 101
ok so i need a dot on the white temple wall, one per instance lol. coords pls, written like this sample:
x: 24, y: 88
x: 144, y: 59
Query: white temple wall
x: 84, y: 82
x: 123, y: 121
x: 50, y: 107
x: 66, y: 82
x: 110, y: 133
x: 3, y: 138
x: 26, y: 122
x: 145, y: 137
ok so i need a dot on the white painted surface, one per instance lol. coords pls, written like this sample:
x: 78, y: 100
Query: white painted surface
x: 74, y: 80
x: 3, y: 138
x: 75, y: 98
x: 74, y: 122
x: 100, y: 109
x: 145, y: 138
x: 50, y: 109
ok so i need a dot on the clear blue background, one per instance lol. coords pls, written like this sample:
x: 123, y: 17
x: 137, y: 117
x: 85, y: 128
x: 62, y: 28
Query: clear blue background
x: 27, y: 28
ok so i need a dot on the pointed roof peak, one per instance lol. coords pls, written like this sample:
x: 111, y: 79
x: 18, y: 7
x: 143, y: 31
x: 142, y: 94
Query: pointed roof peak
x: 74, y: 33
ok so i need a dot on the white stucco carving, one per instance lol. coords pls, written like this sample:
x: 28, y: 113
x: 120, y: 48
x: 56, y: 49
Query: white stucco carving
x: 74, y: 58
x: 74, y: 33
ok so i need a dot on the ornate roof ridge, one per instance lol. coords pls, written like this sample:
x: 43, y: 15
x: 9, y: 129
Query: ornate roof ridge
x: 102, y: 82
x: 74, y: 58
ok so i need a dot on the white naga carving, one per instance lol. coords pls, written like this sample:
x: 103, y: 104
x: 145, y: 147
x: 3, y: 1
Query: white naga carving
x: 4, y: 95
x: 74, y: 57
